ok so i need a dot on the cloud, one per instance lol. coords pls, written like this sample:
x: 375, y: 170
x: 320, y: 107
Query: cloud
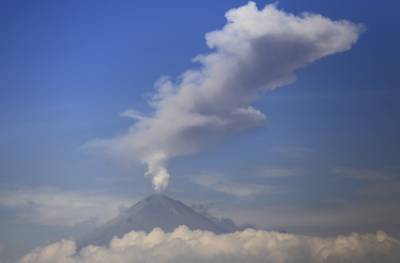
x: 296, y: 152
x: 184, y: 245
x: 269, y: 172
x: 376, y: 184
x: 133, y: 115
x: 318, y: 217
x: 51, y: 206
x: 220, y: 183
x: 256, y: 50
x: 369, y: 175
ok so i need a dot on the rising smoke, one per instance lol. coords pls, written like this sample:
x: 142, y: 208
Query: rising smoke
x: 256, y: 50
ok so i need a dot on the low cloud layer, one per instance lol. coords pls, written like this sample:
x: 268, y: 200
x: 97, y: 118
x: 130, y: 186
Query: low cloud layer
x: 257, y: 49
x: 184, y: 245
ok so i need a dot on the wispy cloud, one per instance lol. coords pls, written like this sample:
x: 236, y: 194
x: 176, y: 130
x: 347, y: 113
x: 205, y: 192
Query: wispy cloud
x: 52, y: 206
x: 273, y: 172
x: 379, y: 184
x: 220, y: 183
x: 133, y: 114
x: 321, y: 218
x: 365, y: 174
x: 296, y: 152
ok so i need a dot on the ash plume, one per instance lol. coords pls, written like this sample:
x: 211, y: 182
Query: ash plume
x: 256, y: 50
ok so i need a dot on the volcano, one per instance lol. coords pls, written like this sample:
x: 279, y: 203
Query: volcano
x: 155, y: 211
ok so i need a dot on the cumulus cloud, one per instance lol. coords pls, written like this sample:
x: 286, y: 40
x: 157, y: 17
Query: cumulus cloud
x: 51, y: 206
x: 184, y: 245
x: 257, y: 49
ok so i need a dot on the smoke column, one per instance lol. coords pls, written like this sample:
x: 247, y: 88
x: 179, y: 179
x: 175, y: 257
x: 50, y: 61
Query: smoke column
x: 257, y: 50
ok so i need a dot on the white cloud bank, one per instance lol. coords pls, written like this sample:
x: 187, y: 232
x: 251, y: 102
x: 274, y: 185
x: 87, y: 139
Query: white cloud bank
x: 257, y: 49
x: 184, y: 245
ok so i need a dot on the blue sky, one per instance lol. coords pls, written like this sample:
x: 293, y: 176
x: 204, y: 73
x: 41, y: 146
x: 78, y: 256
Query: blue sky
x: 68, y: 69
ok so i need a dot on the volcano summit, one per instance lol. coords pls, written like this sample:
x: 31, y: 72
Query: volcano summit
x: 155, y: 211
